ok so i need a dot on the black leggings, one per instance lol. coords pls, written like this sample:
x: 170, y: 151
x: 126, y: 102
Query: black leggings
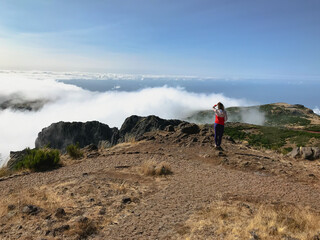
x: 218, y: 133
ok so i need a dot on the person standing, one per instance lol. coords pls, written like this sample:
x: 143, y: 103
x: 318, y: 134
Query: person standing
x: 221, y: 118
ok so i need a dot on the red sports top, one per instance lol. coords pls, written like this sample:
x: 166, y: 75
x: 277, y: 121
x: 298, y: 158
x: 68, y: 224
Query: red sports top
x: 221, y: 116
x: 219, y: 120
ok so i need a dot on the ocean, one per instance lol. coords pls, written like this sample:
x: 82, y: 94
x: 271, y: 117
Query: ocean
x: 259, y: 91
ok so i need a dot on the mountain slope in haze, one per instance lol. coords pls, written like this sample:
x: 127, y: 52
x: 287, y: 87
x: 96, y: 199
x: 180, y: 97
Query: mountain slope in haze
x: 277, y: 114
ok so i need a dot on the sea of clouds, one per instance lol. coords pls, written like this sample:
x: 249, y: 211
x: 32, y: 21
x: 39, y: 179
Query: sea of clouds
x: 65, y: 102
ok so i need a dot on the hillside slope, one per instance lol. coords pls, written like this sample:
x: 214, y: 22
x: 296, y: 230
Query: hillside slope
x: 106, y: 195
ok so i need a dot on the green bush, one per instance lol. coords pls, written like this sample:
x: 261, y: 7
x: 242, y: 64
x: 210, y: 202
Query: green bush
x: 235, y: 132
x: 74, y: 151
x: 39, y: 159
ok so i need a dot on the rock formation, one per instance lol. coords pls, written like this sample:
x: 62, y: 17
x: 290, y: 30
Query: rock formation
x: 16, y: 157
x: 60, y: 135
x: 135, y: 126
x: 309, y: 153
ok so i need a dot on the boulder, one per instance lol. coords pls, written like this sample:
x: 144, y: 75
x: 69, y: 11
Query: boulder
x: 135, y: 126
x: 30, y: 209
x: 60, y: 135
x: 189, y: 128
x: 316, y: 152
x: 306, y: 153
x: 309, y: 153
x: 169, y: 128
x: 16, y: 157
x: 295, y: 153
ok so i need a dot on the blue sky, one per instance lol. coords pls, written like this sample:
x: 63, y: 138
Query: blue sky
x: 265, y: 39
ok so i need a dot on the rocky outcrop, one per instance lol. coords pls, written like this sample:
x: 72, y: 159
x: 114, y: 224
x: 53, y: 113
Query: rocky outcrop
x: 135, y: 126
x: 60, y: 135
x: 309, y: 153
x: 189, y: 128
x: 16, y: 157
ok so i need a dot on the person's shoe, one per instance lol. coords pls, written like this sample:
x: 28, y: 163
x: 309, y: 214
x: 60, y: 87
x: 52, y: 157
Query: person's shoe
x: 220, y: 148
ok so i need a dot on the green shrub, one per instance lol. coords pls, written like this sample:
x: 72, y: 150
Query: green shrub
x: 235, y: 132
x: 74, y: 151
x: 39, y: 159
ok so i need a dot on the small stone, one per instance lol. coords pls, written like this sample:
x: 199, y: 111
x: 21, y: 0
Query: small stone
x: 30, y: 209
x: 60, y: 213
x: 316, y: 237
x: 93, y: 155
x: 273, y: 230
x: 82, y: 219
x: 194, y: 139
x: 254, y: 235
x: 230, y: 139
x: 102, y: 211
x: 11, y: 207
x: 126, y: 200
x: 61, y: 229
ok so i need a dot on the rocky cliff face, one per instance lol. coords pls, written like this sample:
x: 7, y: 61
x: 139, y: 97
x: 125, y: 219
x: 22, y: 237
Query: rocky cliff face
x: 135, y: 126
x: 60, y: 135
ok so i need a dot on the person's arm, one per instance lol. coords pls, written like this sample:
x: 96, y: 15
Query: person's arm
x: 226, y: 116
x: 214, y: 108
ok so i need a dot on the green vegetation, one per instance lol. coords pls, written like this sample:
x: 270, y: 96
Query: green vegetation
x: 74, y: 151
x: 279, y: 116
x: 39, y: 159
x: 237, y: 132
x: 314, y: 128
x: 270, y: 137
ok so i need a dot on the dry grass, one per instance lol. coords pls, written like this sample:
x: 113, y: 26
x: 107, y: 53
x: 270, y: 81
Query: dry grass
x: 151, y: 168
x: 4, y: 172
x: 83, y: 228
x: 236, y: 220
x: 41, y: 198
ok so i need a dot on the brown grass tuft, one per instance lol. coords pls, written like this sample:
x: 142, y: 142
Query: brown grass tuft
x: 83, y: 228
x: 151, y: 168
x: 237, y: 220
x: 4, y: 172
x: 39, y: 197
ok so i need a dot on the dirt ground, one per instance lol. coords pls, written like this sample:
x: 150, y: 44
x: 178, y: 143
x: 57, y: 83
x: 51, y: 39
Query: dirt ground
x: 106, y: 196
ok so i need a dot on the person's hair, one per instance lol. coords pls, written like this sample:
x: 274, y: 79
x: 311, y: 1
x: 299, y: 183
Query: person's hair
x: 220, y: 106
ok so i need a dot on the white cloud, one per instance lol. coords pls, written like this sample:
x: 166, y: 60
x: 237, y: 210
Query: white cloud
x: 316, y: 111
x: 70, y: 103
